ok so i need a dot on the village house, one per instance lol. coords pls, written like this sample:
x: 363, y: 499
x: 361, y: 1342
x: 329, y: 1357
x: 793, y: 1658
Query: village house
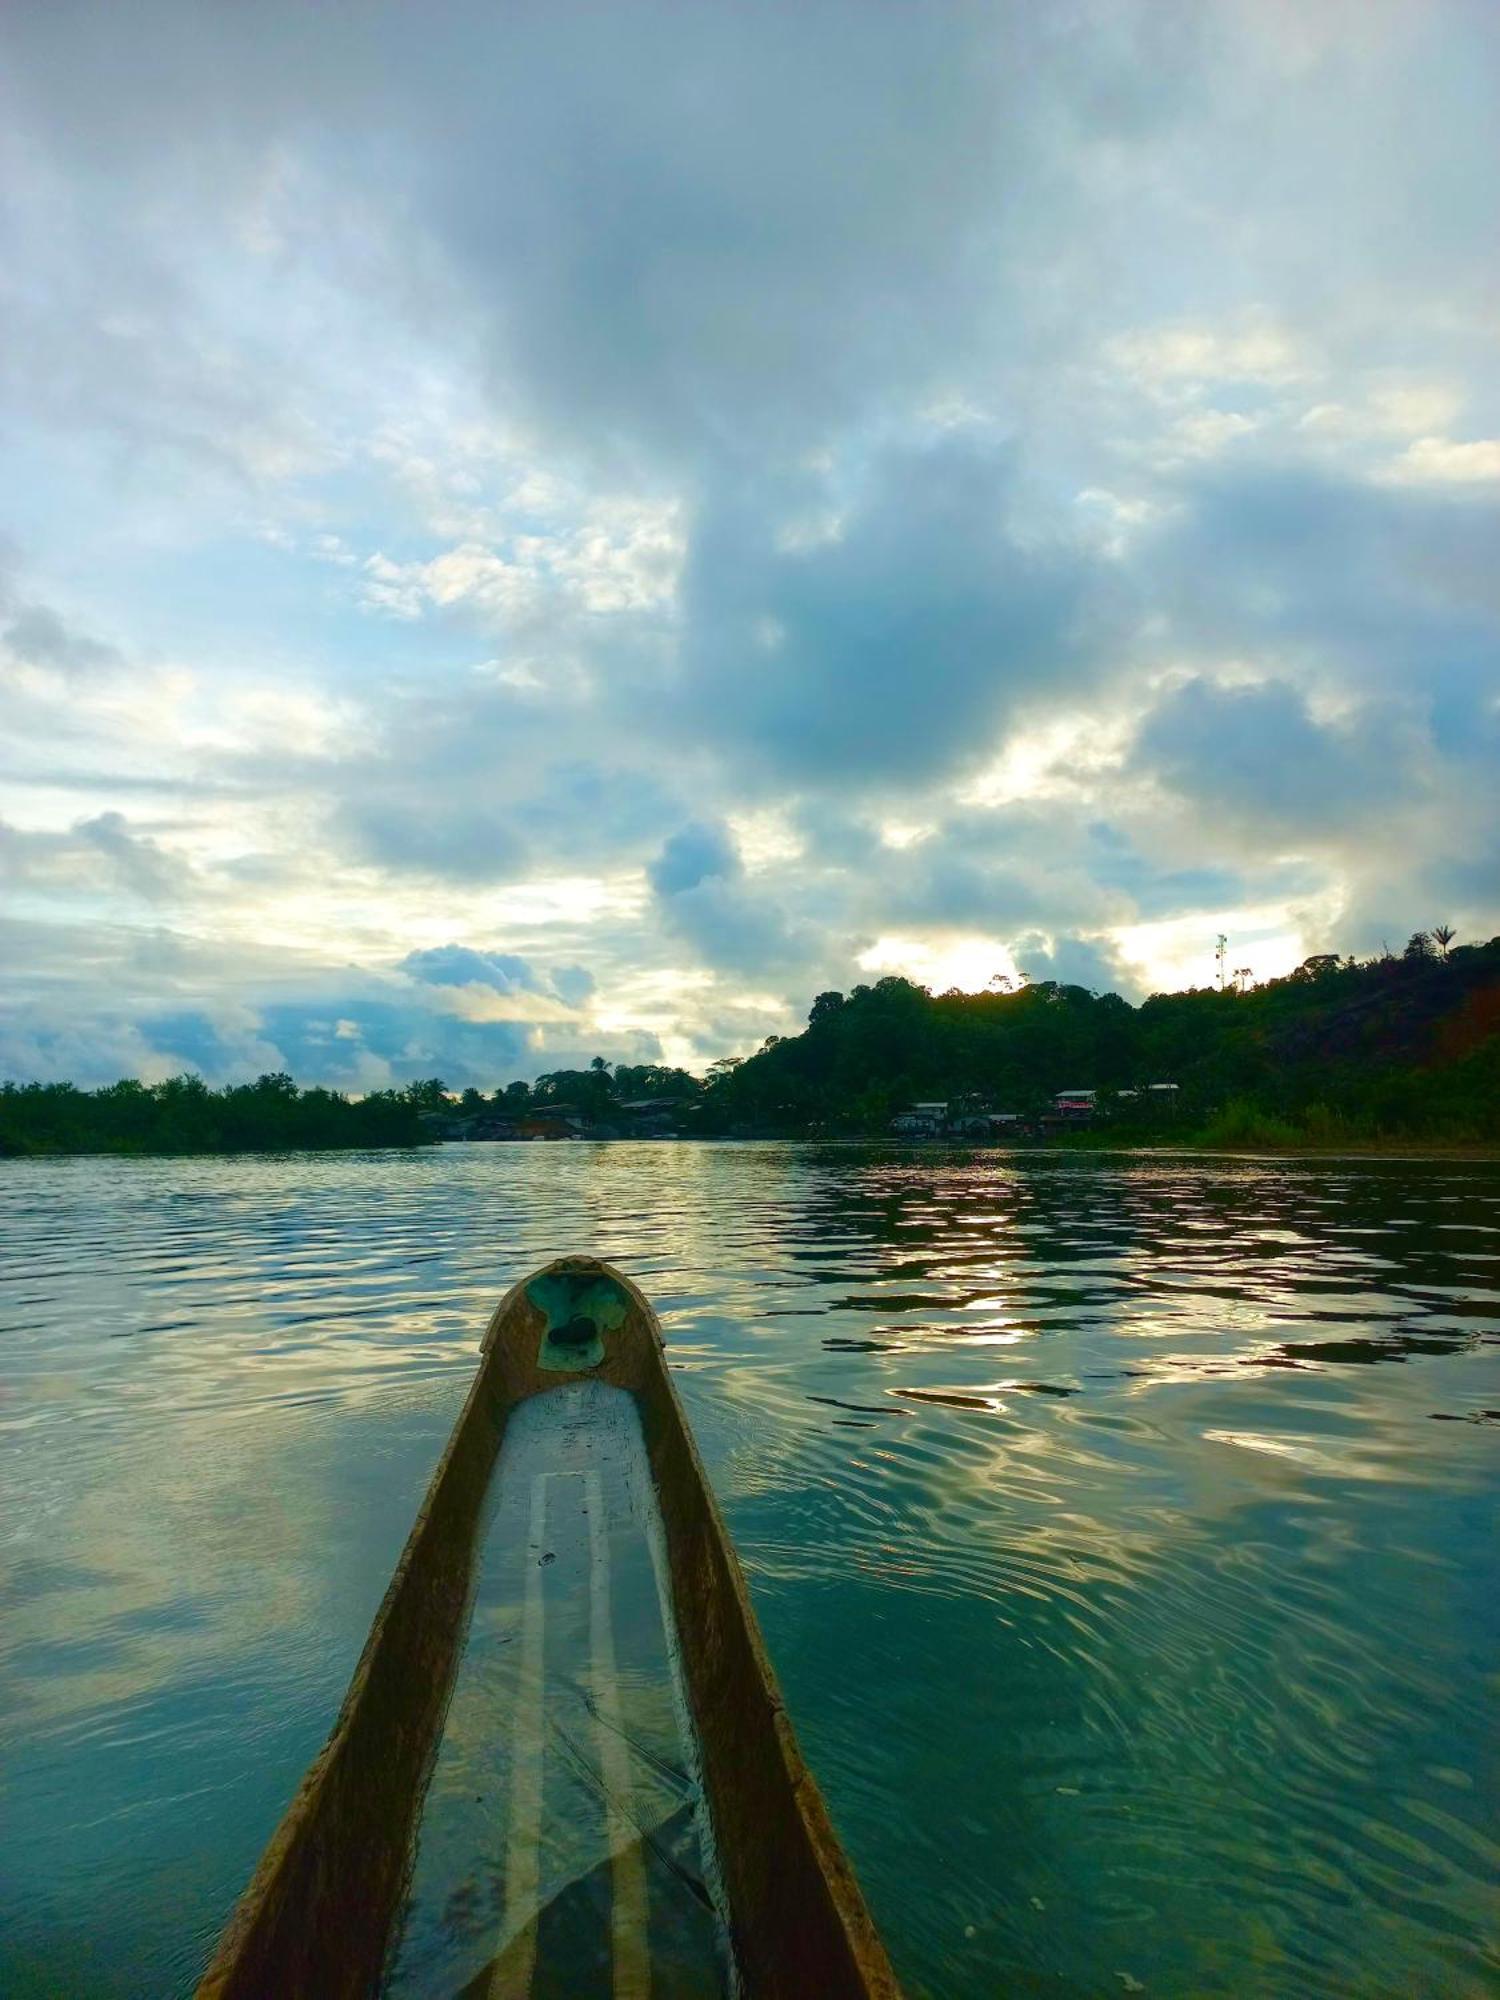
x: 1076, y: 1103
x: 921, y: 1121
x: 649, y: 1117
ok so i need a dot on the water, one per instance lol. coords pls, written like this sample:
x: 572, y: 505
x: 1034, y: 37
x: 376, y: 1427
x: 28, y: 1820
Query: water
x: 1123, y: 1530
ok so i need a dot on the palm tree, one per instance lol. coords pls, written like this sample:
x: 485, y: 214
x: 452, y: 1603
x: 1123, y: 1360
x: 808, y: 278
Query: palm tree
x: 1442, y: 936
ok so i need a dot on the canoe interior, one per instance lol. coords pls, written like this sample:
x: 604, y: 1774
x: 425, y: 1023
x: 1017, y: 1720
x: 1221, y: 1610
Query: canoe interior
x: 565, y: 1853
x: 598, y: 1459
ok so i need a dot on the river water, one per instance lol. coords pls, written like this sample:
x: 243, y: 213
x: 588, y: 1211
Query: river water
x: 1123, y: 1529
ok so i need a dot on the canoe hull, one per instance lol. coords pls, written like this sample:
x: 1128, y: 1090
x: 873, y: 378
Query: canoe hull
x: 318, y: 1915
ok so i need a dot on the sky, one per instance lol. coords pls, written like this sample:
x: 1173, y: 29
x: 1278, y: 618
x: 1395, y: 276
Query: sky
x: 535, y: 531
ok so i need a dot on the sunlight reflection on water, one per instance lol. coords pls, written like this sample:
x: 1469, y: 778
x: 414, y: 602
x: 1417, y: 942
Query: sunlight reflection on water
x: 1136, y: 1614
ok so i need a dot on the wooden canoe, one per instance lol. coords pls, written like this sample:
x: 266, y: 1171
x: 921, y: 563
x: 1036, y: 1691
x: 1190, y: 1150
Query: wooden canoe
x: 327, y: 1899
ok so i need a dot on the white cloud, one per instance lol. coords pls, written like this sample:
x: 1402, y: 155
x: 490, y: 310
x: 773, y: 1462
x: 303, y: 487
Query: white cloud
x: 1185, y: 360
x: 1437, y: 461
x: 1207, y: 432
x: 620, y: 558
x: 971, y: 963
x: 1409, y: 409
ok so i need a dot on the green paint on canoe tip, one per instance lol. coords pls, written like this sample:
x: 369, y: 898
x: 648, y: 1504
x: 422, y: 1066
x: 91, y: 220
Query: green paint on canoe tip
x: 579, y: 1309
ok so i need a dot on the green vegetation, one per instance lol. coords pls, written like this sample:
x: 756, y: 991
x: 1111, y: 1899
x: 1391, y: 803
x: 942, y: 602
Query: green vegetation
x: 597, y: 1094
x: 1340, y: 1053
x: 184, y: 1116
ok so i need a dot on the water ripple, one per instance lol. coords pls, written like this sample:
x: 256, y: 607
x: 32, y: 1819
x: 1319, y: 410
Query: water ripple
x: 1134, y: 1610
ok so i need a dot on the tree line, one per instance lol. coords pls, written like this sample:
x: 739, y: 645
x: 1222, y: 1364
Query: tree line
x: 183, y: 1115
x: 597, y: 1093
x: 1401, y: 1044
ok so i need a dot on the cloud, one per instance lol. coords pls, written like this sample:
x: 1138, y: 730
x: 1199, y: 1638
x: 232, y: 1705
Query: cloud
x: 668, y: 499
x: 92, y: 1005
x: 434, y: 836
x: 894, y: 646
x: 1331, y: 577
x: 1444, y: 461
x: 703, y: 899
x: 1071, y: 960
x: 95, y: 855
x: 492, y: 986
x: 466, y: 798
x: 575, y: 984
x: 621, y: 557
x: 967, y: 875
x: 37, y: 637
x: 1254, y: 750
x: 396, y: 1042
x: 457, y: 965
x: 1185, y: 361
x: 693, y: 855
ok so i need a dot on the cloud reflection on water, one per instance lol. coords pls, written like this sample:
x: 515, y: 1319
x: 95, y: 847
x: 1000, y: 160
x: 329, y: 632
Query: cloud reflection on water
x: 1167, y: 1625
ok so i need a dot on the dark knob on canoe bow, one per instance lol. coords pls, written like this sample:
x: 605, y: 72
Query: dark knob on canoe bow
x: 578, y: 1332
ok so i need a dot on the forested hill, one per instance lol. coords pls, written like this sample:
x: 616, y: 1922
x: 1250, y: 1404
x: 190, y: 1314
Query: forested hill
x: 1339, y: 1048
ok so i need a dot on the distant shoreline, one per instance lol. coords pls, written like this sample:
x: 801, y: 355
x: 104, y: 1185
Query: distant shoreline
x: 1477, y: 1152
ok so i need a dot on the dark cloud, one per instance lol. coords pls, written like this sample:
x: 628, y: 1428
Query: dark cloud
x: 574, y: 984
x: 678, y: 236
x: 990, y: 871
x: 940, y: 883
x: 698, y: 200
x: 502, y: 972
x: 584, y: 810
x: 472, y: 781
x: 1255, y: 751
x: 1323, y: 576
x: 457, y: 965
x: 467, y: 800
x: 1462, y: 885
x: 1071, y: 960
x: 703, y: 899
x: 707, y: 202
x: 896, y: 642
x: 139, y: 862
x: 101, y: 853
x: 350, y: 1046
x: 1159, y: 888
x: 1154, y: 891
x: 408, y: 1042
x: 692, y: 856
x: 435, y: 835
x: 40, y: 638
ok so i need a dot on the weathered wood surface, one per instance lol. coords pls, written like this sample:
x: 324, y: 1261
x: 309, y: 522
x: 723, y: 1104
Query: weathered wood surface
x: 316, y: 1920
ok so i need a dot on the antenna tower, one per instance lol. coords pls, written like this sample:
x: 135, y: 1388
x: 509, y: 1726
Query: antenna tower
x: 1219, y: 950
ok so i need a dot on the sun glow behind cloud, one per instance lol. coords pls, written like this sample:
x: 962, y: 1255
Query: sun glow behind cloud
x: 972, y: 964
